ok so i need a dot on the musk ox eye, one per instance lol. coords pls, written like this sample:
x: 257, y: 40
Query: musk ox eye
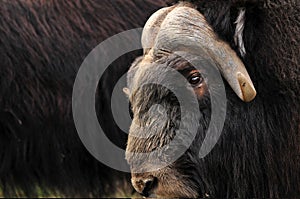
x: 195, y: 79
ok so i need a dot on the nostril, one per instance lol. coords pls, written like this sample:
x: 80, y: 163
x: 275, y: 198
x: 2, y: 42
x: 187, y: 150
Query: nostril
x: 148, y: 185
x: 143, y: 185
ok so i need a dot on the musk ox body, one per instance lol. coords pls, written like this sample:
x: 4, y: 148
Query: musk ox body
x: 42, y: 45
x: 258, y: 152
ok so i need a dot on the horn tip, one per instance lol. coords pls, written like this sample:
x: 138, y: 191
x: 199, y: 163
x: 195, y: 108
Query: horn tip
x: 247, y: 88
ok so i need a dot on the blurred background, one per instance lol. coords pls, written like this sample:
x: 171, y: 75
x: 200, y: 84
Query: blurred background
x: 42, y: 45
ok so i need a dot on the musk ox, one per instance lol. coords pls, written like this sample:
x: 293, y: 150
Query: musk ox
x: 255, y: 46
x: 42, y: 45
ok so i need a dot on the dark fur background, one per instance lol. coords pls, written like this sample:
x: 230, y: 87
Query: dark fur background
x: 42, y: 45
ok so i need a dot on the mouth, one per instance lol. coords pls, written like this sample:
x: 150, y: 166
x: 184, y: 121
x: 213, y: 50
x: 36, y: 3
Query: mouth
x: 152, y: 195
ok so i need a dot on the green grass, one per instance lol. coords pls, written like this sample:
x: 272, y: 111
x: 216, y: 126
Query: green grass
x: 122, y: 189
x: 41, y: 193
x: 44, y: 193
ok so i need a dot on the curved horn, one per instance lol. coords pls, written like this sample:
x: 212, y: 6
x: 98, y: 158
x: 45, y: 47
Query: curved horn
x: 184, y: 28
x: 152, y: 27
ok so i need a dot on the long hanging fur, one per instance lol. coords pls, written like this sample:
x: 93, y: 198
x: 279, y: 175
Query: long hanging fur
x: 258, y: 152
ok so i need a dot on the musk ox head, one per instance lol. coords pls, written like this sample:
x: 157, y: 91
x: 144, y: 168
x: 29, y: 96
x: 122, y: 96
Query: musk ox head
x: 169, y: 90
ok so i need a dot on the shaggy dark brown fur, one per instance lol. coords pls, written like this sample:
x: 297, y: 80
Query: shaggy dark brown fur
x: 258, y: 152
x: 42, y: 45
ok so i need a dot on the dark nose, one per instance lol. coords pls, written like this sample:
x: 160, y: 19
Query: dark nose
x: 143, y: 185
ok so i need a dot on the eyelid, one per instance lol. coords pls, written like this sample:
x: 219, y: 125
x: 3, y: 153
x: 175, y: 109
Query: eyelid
x: 196, y: 73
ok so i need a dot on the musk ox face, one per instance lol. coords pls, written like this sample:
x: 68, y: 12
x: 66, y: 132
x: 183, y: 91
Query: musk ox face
x: 156, y: 121
x: 163, y: 164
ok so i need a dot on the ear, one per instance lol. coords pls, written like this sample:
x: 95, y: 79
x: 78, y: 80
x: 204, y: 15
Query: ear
x: 126, y: 91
